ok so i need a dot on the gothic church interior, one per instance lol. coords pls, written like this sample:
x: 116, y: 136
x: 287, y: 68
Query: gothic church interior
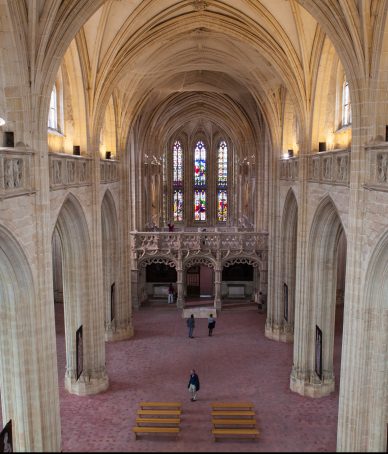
x: 237, y: 149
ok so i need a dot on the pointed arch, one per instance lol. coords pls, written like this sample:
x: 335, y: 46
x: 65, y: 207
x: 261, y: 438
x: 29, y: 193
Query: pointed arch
x: 18, y: 348
x: 288, y: 267
x: 110, y: 260
x: 325, y: 234
x: 369, y: 332
x: 78, y: 298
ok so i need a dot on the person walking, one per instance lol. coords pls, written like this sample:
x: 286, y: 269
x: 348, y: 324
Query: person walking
x: 193, y: 385
x: 170, y: 297
x: 191, y: 324
x: 211, y: 323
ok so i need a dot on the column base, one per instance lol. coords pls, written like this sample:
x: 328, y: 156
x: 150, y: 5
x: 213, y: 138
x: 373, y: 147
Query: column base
x: 180, y: 303
x: 87, y: 384
x: 118, y: 334
x: 218, y: 304
x: 280, y: 333
x: 311, y: 386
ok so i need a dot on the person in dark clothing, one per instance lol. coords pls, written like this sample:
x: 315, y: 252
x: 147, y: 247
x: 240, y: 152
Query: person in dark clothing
x: 211, y: 323
x: 191, y: 324
x: 193, y: 385
x: 170, y: 298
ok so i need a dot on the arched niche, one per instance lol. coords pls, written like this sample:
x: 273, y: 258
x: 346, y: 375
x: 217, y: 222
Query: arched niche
x: 21, y: 396
x: 313, y: 371
x: 110, y: 262
x: 80, y: 306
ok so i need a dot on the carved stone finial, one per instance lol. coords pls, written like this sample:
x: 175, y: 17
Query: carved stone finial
x: 199, y: 5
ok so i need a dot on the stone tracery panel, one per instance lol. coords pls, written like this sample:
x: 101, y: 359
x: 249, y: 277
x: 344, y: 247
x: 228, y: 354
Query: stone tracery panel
x: 378, y: 167
x: 15, y: 173
x: 149, y: 261
x: 69, y: 171
x: 331, y: 167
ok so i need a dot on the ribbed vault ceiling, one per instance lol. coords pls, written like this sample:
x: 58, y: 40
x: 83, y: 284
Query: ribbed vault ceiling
x: 174, y: 59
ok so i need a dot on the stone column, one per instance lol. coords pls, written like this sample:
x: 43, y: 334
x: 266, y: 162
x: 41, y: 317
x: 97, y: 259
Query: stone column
x: 94, y: 378
x: 217, y: 287
x: 273, y: 322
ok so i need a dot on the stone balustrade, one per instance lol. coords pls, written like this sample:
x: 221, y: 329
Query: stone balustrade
x: 109, y: 171
x: 289, y: 169
x: 330, y: 167
x: 203, y: 243
x: 16, y: 172
x: 69, y: 170
x: 377, y: 167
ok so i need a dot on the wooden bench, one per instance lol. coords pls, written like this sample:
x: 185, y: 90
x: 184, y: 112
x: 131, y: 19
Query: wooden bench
x: 233, y: 422
x: 158, y: 405
x: 159, y: 413
x: 233, y: 413
x: 159, y: 421
x: 156, y: 430
x: 232, y: 405
x: 235, y: 433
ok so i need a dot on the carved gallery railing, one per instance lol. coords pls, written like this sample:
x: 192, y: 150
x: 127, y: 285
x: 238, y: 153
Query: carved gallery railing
x: 289, y: 169
x: 109, y: 171
x: 330, y: 167
x: 16, y: 176
x: 217, y: 245
x: 378, y: 167
x: 69, y: 171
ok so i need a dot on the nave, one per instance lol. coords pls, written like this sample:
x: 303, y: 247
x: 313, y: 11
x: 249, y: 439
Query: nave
x: 237, y: 363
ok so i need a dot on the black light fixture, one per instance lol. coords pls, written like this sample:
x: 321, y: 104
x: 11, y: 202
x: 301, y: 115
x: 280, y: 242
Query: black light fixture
x: 386, y: 133
x: 9, y: 139
x: 108, y: 155
x: 290, y: 153
x: 76, y: 150
x: 322, y: 146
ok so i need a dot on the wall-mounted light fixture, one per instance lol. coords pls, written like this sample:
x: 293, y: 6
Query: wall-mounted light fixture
x: 322, y: 146
x: 108, y: 155
x: 290, y: 153
x: 2, y: 121
x: 76, y: 150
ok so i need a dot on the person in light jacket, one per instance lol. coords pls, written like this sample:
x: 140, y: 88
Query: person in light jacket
x: 211, y: 323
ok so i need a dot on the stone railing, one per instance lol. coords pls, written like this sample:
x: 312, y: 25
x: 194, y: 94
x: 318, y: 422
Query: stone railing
x: 330, y: 167
x: 203, y: 243
x: 289, y: 169
x: 109, y: 171
x: 69, y: 170
x: 377, y: 167
x: 16, y: 174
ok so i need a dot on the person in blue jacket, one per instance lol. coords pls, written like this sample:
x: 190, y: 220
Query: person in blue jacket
x: 193, y: 385
x: 191, y: 325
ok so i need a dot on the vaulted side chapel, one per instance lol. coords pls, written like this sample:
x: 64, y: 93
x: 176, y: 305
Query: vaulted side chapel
x: 234, y: 150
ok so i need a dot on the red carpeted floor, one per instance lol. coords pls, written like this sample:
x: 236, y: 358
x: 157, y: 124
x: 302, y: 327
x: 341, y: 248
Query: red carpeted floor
x: 237, y: 364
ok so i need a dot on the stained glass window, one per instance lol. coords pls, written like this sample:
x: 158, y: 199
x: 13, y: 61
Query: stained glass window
x: 177, y: 163
x: 222, y: 165
x: 178, y: 205
x: 177, y: 158
x: 200, y: 205
x: 222, y: 209
x: 222, y: 183
x: 200, y: 164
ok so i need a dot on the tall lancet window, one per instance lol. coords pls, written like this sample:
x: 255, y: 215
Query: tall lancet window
x: 178, y: 181
x: 346, y: 106
x: 53, y: 112
x: 200, y: 182
x: 222, y: 183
